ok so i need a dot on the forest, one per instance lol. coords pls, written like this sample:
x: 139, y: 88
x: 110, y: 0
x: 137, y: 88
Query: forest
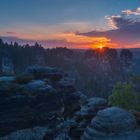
x: 64, y: 94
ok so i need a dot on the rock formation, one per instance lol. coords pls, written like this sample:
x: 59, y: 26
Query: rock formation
x: 112, y: 124
x: 92, y: 107
x: 36, y: 133
x: 86, y: 113
x: 43, y: 100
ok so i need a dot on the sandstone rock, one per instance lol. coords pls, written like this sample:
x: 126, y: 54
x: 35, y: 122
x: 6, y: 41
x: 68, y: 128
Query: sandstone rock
x: 112, y: 124
x: 40, y: 72
x: 7, y: 84
x: 36, y: 133
x: 137, y: 115
x: 7, y: 79
x: 85, y: 115
x: 67, y: 85
x: 92, y: 107
x: 63, y: 136
x: 38, y: 86
x: 38, y: 103
x: 64, y: 130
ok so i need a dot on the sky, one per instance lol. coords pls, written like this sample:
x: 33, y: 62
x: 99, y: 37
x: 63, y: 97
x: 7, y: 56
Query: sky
x: 71, y: 23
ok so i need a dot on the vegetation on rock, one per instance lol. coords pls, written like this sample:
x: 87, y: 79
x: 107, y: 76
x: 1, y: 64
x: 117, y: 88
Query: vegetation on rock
x: 124, y: 96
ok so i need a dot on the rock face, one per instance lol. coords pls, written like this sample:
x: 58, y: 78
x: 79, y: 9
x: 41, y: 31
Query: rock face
x: 112, y: 124
x: 6, y: 82
x: 38, y: 86
x: 85, y: 115
x: 7, y: 65
x: 92, y: 107
x: 36, y: 133
x: 43, y: 101
x: 40, y: 72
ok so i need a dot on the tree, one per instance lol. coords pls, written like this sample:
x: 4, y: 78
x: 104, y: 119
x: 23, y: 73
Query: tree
x: 89, y: 54
x: 1, y: 42
x: 126, y: 54
x: 124, y: 96
x: 126, y: 57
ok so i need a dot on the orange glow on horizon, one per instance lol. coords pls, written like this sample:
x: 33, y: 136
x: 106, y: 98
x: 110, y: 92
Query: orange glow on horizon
x: 101, y: 43
x: 69, y: 39
x: 100, y: 46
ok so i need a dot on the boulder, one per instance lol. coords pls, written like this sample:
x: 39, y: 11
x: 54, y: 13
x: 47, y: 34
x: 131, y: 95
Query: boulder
x: 39, y: 102
x: 36, y: 133
x: 8, y: 85
x: 67, y: 85
x: 38, y: 86
x: 64, y: 130
x: 40, y: 72
x: 92, y: 107
x: 86, y: 113
x: 63, y: 136
x: 7, y: 79
x: 112, y: 124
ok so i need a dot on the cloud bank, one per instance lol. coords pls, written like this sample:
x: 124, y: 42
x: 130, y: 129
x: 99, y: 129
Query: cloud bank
x: 125, y: 29
x: 124, y: 32
x: 63, y: 34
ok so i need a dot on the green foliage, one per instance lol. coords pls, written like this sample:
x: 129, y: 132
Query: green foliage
x: 124, y: 96
x: 24, y: 79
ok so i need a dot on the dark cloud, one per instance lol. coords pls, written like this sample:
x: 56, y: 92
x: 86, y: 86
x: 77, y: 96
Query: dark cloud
x: 121, y: 22
x: 10, y: 33
x: 125, y: 29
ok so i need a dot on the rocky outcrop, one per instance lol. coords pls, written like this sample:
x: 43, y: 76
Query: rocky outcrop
x: 36, y: 133
x: 40, y: 72
x: 38, y: 86
x: 137, y: 115
x: 85, y: 115
x: 112, y: 124
x: 43, y: 104
x: 42, y: 101
x: 7, y: 65
x: 92, y: 107
x: 6, y: 83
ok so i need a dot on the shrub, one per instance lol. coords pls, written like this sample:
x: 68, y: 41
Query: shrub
x: 124, y: 96
x: 24, y: 79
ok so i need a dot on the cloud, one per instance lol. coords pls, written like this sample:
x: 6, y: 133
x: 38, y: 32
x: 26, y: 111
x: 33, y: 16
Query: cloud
x: 62, y: 34
x: 71, y: 40
x: 42, y: 32
x: 132, y: 12
x: 125, y: 29
x: 11, y: 33
x: 117, y: 21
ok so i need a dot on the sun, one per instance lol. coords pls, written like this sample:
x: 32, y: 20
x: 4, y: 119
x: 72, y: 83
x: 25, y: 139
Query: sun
x: 100, y: 47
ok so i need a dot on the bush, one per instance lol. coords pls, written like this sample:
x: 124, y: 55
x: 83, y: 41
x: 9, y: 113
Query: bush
x: 124, y: 96
x: 24, y: 79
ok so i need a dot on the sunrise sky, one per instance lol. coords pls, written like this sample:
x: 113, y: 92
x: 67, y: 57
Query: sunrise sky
x: 71, y: 23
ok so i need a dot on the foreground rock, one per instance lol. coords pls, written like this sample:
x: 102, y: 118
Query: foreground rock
x: 86, y: 113
x: 92, y: 107
x: 38, y: 86
x: 36, y: 133
x: 112, y: 124
x: 43, y: 100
